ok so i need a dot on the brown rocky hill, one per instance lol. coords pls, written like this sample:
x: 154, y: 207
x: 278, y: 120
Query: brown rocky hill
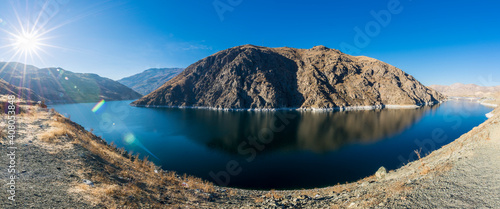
x: 467, y: 90
x: 259, y: 77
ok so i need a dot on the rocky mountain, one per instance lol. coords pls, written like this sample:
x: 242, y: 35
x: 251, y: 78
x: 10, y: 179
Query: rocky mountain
x: 19, y: 92
x: 467, y: 90
x: 150, y: 79
x: 57, y: 85
x: 259, y: 77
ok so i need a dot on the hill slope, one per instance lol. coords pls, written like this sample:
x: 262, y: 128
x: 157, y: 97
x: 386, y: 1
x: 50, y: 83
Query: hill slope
x: 23, y: 93
x: 467, y: 90
x: 259, y: 77
x: 58, y: 85
x: 150, y: 79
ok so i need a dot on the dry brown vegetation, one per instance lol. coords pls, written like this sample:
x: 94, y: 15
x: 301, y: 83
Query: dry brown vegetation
x: 274, y: 194
x: 55, y: 132
x: 424, y: 169
x: 3, y: 132
x: 123, y: 179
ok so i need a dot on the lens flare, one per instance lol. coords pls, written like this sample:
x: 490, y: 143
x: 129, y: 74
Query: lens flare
x: 98, y: 105
x: 129, y: 139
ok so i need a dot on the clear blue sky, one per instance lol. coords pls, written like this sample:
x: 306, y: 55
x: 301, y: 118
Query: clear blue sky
x: 438, y: 42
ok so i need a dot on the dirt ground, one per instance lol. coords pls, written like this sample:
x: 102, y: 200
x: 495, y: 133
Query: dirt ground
x: 51, y: 170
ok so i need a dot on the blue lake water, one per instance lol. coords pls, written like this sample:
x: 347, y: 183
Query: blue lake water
x: 281, y: 149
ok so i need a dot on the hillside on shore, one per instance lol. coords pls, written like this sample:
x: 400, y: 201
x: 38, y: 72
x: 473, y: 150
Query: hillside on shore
x: 57, y: 85
x: 467, y: 90
x: 22, y: 93
x: 150, y: 79
x: 259, y: 77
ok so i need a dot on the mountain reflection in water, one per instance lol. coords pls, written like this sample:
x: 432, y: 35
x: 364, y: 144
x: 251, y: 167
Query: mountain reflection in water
x: 314, y: 149
x: 315, y: 131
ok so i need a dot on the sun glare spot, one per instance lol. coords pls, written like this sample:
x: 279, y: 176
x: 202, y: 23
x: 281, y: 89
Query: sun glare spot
x: 27, y: 43
x: 129, y: 138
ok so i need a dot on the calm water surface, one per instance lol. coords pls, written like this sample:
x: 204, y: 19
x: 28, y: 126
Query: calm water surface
x: 277, y: 150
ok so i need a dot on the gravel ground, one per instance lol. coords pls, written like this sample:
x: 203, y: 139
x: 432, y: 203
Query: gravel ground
x: 45, y: 173
x: 462, y: 174
x: 474, y: 180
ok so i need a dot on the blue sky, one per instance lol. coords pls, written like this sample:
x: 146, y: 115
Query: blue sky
x: 437, y: 42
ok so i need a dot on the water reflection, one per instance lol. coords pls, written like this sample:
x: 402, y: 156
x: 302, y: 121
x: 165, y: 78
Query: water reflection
x: 314, y: 131
x: 310, y: 152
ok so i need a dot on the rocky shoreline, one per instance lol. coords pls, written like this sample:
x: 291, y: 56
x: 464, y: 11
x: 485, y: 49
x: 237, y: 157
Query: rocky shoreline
x: 56, y: 172
x: 336, y: 109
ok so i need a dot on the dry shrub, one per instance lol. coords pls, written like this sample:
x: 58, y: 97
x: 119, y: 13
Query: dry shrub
x: 56, y: 130
x: 425, y: 169
x: 442, y: 168
x: 338, y: 189
x: 397, y: 188
x: 111, y: 195
x: 198, y: 183
x: 273, y: 194
x: 3, y: 132
x: 231, y: 192
x: 53, y: 134
x: 258, y: 199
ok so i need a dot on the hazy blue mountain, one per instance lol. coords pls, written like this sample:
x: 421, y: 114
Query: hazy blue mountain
x: 150, y: 79
x: 57, y: 85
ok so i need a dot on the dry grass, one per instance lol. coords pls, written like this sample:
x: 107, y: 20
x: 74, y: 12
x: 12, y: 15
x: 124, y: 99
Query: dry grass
x: 52, y: 134
x: 424, y: 169
x: 56, y: 130
x: 337, y: 188
x: 258, y: 200
x: 146, y: 185
x: 3, y: 132
x: 273, y: 194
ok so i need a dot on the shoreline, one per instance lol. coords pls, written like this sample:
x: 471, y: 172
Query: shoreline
x: 388, y: 189
x: 488, y: 104
x: 334, y: 109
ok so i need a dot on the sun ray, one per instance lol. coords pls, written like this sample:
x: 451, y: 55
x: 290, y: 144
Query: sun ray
x: 29, y: 33
x: 25, y: 40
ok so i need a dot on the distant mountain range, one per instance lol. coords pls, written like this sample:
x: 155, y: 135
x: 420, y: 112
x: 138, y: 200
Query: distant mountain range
x: 57, y: 85
x: 467, y: 90
x: 150, y: 79
x: 259, y: 77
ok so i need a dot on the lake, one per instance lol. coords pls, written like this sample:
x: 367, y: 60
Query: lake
x: 277, y: 149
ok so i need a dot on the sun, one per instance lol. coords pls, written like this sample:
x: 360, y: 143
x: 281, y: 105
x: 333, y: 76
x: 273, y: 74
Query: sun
x: 26, y: 39
x: 27, y: 43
